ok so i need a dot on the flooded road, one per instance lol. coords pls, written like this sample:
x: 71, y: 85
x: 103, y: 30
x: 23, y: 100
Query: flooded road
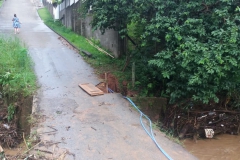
x: 222, y: 147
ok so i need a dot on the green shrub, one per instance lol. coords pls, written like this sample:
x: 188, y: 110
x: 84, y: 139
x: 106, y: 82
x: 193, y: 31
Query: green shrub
x: 16, y: 74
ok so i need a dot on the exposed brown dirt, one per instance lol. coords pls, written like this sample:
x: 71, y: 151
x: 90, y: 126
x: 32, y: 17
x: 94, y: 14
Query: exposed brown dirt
x: 14, y: 131
x: 10, y: 135
x: 110, y: 80
x: 113, y: 83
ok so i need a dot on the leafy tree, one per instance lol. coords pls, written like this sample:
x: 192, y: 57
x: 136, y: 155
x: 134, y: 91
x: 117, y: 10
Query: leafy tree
x: 116, y: 14
x: 109, y: 14
x: 201, y: 53
x: 197, y: 43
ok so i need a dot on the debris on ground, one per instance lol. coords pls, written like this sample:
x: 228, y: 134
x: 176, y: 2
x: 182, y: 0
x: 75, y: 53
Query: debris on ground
x: 102, y: 86
x: 9, y: 136
x: 87, y: 53
x: 67, y: 44
x: 2, y: 154
x: 111, y: 81
x: 200, y: 123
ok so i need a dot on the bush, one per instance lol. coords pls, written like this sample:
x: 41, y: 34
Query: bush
x: 16, y: 74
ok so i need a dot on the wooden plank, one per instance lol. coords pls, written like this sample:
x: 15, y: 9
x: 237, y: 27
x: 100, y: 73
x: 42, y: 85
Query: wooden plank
x: 91, y: 89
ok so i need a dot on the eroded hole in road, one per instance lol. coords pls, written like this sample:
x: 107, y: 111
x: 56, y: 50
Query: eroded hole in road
x: 114, y: 85
x: 111, y: 81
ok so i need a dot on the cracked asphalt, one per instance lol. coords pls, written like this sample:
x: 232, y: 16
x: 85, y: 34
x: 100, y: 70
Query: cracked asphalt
x: 80, y: 126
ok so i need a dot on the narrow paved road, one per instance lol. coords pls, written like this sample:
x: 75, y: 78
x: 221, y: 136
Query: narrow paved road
x: 86, y: 128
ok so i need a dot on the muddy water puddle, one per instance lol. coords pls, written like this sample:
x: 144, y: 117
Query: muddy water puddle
x: 222, y: 147
x: 14, y: 152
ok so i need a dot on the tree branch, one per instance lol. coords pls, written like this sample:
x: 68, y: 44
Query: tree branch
x: 131, y: 40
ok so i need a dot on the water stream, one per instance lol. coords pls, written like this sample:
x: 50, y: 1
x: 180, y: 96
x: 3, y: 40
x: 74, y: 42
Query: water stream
x: 221, y: 147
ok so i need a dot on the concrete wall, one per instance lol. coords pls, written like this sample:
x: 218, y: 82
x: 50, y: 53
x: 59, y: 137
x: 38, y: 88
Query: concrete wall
x: 110, y: 40
x: 49, y: 6
x: 69, y: 16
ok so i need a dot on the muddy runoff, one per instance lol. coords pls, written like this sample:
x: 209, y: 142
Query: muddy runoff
x: 221, y: 147
x: 13, y: 132
x: 224, y: 143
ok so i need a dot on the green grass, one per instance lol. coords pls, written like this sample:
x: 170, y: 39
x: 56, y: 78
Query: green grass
x: 17, y: 77
x: 100, y: 62
x: 1, y: 2
x: 77, y: 40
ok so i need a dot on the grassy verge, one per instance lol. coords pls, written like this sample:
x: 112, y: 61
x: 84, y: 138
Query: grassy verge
x: 100, y: 62
x: 16, y: 75
x: 1, y: 2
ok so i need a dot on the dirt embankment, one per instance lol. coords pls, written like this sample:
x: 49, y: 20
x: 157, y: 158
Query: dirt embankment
x: 14, y: 125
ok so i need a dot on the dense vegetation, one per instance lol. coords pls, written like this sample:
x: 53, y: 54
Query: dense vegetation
x: 186, y: 50
x: 17, y: 79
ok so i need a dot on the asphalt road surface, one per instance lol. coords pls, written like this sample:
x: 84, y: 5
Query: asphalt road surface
x: 80, y: 126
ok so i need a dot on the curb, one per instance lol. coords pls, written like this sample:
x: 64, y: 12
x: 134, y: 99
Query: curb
x: 79, y: 50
